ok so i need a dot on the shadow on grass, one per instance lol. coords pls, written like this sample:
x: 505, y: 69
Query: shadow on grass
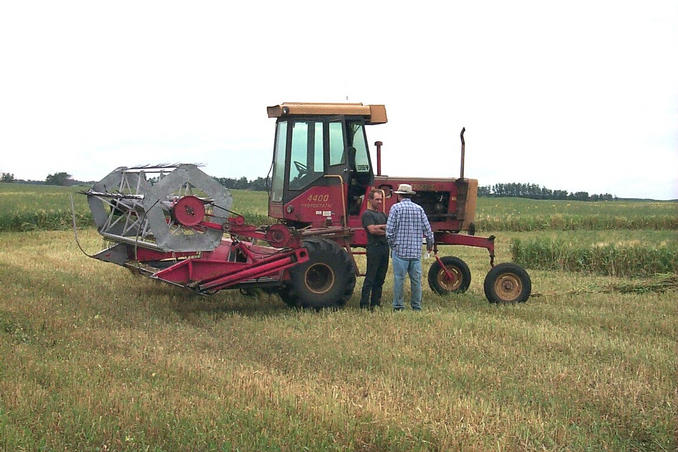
x: 226, y: 302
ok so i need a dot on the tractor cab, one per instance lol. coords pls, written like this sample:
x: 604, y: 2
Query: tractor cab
x: 321, y: 161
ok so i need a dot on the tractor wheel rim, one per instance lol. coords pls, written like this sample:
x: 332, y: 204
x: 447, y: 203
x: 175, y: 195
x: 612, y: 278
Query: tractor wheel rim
x: 508, y: 287
x: 447, y: 283
x: 319, y: 278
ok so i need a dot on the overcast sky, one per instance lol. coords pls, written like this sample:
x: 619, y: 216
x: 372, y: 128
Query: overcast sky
x: 573, y: 95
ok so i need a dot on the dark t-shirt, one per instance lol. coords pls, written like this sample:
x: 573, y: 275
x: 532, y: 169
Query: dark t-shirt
x: 374, y: 217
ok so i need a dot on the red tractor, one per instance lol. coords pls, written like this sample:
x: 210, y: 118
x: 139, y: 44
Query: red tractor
x: 174, y: 224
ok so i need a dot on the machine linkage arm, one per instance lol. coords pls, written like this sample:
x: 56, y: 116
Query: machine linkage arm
x: 278, y: 235
x: 451, y: 238
x: 209, y: 272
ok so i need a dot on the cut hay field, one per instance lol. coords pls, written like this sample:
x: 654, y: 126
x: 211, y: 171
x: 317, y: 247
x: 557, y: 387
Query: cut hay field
x: 94, y: 357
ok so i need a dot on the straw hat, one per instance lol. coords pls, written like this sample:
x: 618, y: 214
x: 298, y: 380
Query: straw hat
x: 405, y: 189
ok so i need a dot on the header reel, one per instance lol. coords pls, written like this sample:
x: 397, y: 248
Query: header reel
x: 177, y: 208
x: 167, y: 222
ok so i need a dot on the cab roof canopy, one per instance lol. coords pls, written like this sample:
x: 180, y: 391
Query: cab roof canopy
x: 373, y: 114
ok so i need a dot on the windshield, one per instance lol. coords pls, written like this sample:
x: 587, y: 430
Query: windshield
x: 306, y: 154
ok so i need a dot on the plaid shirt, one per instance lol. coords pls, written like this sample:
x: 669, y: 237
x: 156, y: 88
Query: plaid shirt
x: 406, y: 225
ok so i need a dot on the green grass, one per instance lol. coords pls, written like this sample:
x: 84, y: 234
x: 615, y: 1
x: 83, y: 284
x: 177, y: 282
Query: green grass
x: 627, y: 253
x: 25, y: 207
x: 93, y: 357
x: 25, y: 197
x: 31, y: 207
x: 504, y: 207
x: 17, y: 198
x: 519, y: 214
x: 97, y: 358
x: 605, y: 259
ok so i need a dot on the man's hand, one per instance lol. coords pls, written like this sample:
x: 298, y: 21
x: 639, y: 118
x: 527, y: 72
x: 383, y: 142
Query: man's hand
x: 377, y: 229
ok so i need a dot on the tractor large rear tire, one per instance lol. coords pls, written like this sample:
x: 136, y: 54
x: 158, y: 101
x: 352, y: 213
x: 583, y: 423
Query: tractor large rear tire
x: 326, y: 280
x: 285, y: 296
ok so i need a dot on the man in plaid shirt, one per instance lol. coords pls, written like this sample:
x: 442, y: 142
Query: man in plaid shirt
x: 407, y: 224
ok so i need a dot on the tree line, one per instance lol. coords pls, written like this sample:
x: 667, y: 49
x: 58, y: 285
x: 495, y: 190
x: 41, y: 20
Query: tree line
x: 534, y: 191
x: 7, y: 177
x: 258, y: 184
x: 513, y: 189
x: 62, y: 178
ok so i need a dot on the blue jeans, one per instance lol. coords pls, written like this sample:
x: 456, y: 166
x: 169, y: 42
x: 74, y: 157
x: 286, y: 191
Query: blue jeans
x: 412, y: 267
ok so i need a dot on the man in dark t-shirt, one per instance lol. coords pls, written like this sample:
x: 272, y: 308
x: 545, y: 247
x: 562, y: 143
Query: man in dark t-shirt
x: 374, y: 222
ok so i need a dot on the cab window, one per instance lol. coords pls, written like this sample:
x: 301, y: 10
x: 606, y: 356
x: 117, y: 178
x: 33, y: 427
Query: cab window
x: 337, y: 155
x: 306, y: 154
x: 279, y: 162
x: 358, y: 141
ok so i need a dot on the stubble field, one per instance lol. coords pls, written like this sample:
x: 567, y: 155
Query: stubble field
x: 94, y: 357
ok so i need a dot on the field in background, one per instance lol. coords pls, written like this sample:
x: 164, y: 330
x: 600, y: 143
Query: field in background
x: 96, y: 357
x: 39, y: 207
x: 21, y: 198
x: 25, y: 207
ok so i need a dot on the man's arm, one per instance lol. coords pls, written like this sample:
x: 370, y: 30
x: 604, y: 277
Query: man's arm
x: 373, y: 228
x: 377, y: 229
x: 391, y: 224
x: 427, y: 231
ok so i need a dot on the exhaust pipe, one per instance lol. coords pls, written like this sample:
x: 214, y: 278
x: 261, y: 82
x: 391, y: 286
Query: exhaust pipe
x: 463, y: 152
